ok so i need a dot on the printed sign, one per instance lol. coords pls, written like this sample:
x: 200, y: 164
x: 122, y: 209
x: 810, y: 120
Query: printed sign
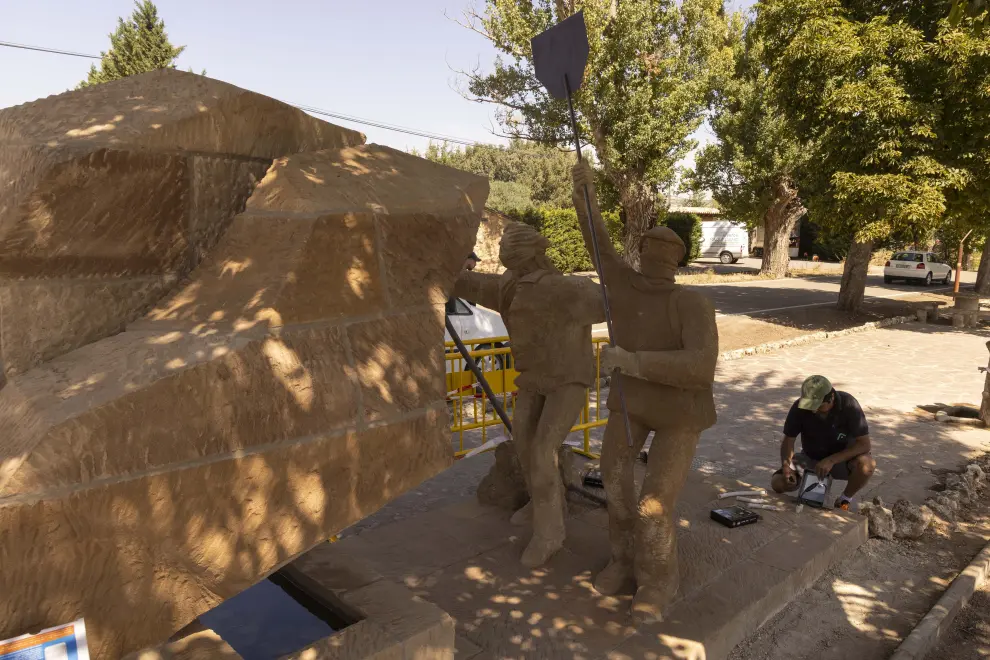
x: 66, y: 642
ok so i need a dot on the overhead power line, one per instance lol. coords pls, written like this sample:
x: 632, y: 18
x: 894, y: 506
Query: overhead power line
x: 48, y: 50
x: 306, y: 108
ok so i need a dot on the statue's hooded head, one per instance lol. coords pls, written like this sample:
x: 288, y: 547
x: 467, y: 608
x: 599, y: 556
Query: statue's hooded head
x: 523, y: 249
x: 659, y: 253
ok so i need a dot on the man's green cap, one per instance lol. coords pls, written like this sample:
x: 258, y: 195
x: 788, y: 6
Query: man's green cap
x: 813, y: 392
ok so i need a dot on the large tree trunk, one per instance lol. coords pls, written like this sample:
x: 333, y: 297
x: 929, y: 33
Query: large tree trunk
x: 854, y: 276
x: 639, y: 204
x: 778, y: 223
x: 983, y: 272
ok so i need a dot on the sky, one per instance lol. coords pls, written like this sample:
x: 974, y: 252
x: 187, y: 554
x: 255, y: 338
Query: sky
x: 391, y: 61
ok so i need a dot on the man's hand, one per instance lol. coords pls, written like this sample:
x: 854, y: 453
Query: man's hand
x: 824, y: 466
x: 790, y: 475
x: 613, y: 357
x: 583, y: 175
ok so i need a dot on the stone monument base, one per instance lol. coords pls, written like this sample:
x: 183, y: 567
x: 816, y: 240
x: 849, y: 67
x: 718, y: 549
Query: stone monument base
x: 465, y: 560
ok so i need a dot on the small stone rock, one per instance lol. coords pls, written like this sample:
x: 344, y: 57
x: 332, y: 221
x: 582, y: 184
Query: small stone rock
x: 910, y: 521
x: 952, y: 481
x: 940, y: 509
x: 950, y: 503
x: 880, y: 519
x: 977, y: 473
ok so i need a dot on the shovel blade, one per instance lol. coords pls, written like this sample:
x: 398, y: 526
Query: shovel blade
x: 562, y: 51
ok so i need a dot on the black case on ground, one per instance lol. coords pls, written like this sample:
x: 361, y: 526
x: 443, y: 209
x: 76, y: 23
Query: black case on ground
x: 734, y: 516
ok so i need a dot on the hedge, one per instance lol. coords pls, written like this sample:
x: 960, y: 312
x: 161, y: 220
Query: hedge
x: 560, y: 226
x: 688, y: 227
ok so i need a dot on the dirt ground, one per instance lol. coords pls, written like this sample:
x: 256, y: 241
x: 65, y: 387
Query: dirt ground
x: 741, y: 331
x: 969, y: 637
x: 864, y: 607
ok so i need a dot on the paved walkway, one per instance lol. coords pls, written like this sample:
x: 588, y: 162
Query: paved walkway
x: 890, y: 371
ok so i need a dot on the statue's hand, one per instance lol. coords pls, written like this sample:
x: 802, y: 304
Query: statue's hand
x: 613, y: 357
x: 583, y: 175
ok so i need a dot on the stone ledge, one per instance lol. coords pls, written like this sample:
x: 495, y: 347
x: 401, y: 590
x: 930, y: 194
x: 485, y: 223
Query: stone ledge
x: 761, y: 349
x: 929, y: 630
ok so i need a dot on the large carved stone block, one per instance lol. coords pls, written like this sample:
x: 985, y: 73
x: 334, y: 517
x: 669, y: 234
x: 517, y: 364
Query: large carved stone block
x: 127, y: 182
x: 290, y: 387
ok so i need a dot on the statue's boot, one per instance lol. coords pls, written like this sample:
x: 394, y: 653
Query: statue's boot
x: 616, y: 578
x: 541, y: 549
x: 524, y: 516
x: 650, y: 602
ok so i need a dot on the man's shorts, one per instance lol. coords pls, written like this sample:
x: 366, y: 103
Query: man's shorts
x: 840, y: 471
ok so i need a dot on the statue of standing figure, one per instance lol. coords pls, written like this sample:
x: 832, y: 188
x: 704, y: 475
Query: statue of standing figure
x: 666, y: 349
x: 549, y: 318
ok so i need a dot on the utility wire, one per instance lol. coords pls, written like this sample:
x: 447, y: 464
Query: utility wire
x: 48, y: 50
x: 305, y: 108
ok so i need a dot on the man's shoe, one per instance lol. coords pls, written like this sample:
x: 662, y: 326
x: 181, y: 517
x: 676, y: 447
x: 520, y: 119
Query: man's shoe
x: 843, y: 505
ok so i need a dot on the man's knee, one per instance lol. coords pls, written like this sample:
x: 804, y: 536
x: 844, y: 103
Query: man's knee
x: 864, y: 465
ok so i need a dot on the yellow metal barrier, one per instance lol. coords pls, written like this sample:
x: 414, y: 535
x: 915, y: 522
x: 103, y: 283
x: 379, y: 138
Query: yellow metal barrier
x: 470, y: 405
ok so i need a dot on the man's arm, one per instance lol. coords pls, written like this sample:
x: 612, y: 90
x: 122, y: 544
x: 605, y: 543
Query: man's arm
x: 689, y: 368
x: 787, y: 452
x: 612, y: 264
x: 479, y: 288
x: 860, y: 446
x: 583, y: 299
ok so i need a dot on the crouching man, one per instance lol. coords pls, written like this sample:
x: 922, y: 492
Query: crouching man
x: 835, y: 440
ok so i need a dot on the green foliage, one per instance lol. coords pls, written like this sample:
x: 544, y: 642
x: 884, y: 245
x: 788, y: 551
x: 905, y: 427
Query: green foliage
x: 567, y: 250
x: 854, y: 77
x: 688, y: 227
x: 137, y: 46
x: 544, y: 171
x: 509, y: 197
x: 757, y: 153
x: 651, y: 69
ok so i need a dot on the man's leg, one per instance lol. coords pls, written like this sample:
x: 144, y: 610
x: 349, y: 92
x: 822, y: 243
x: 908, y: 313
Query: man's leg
x: 657, y: 576
x: 859, y: 469
x: 560, y: 410
x: 529, y: 405
x: 617, y: 462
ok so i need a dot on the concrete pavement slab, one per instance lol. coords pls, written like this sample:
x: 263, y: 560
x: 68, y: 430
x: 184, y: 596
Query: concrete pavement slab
x: 732, y: 579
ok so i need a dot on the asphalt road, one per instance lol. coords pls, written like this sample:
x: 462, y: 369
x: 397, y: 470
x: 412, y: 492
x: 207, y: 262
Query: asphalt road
x: 760, y: 296
x: 757, y: 297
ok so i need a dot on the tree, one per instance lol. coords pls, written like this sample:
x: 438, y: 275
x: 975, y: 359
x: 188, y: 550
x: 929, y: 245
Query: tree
x: 961, y: 51
x: 137, y: 46
x: 544, y: 172
x: 855, y: 79
x: 752, y: 169
x: 652, y: 66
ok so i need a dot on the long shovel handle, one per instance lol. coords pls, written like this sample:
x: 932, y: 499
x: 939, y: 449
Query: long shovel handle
x: 473, y: 366
x: 596, y: 253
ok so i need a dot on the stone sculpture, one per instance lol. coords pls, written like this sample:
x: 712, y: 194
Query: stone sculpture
x: 112, y: 193
x: 292, y: 385
x: 549, y: 318
x: 666, y: 350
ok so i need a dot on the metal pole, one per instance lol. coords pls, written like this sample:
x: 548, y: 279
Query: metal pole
x: 959, y: 261
x: 473, y: 366
x: 596, y: 253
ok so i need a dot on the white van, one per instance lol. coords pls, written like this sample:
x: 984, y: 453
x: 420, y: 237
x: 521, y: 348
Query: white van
x: 725, y: 240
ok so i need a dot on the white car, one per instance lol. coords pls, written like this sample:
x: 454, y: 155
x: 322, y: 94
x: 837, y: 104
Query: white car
x: 917, y: 267
x: 473, y: 322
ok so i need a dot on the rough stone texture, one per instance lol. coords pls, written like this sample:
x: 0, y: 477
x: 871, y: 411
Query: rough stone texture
x: 880, y: 519
x: 665, y: 352
x: 549, y: 317
x: 464, y: 559
x: 490, y: 231
x: 289, y: 388
x: 910, y: 521
x: 504, y: 486
x: 126, y: 185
